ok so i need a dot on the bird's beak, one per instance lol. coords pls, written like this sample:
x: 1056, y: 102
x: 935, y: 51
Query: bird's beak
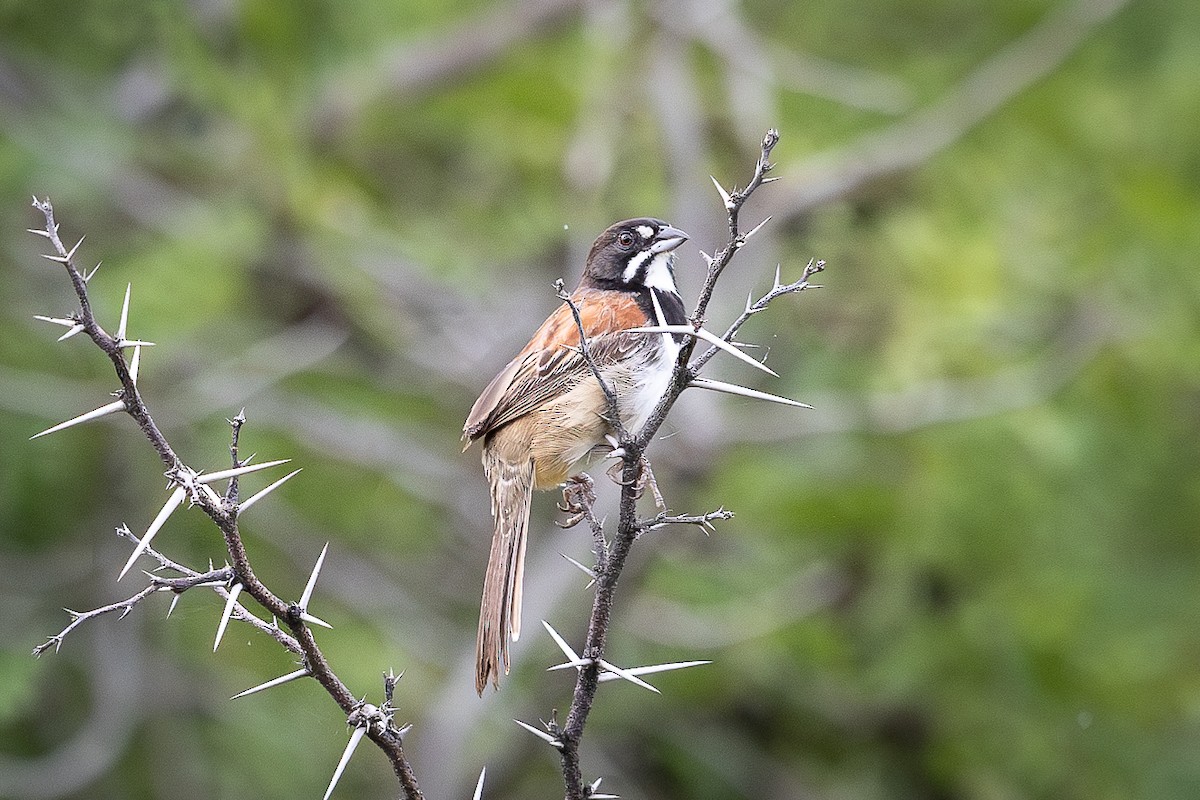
x: 668, y: 239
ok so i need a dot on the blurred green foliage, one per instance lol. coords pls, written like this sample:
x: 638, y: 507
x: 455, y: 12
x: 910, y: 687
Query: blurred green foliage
x: 970, y: 573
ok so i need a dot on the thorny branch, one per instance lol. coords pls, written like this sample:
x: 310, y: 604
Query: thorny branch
x: 631, y: 446
x: 777, y: 290
x: 224, y: 513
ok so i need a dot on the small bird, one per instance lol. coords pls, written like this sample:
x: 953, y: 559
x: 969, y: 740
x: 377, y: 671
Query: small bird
x: 545, y: 411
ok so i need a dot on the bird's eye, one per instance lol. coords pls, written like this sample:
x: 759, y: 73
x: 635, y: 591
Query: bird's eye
x: 625, y: 239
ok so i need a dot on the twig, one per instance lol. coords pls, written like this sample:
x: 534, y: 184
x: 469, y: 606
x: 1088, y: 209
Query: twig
x: 777, y: 290
x: 702, y: 521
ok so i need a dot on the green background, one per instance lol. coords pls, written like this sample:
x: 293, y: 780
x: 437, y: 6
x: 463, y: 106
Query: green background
x: 970, y: 572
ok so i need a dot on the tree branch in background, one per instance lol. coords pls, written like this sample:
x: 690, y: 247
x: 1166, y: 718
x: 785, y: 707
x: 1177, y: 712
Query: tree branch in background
x: 923, y: 134
x: 231, y: 581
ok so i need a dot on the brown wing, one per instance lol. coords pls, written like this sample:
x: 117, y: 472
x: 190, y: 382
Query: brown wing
x: 551, y: 363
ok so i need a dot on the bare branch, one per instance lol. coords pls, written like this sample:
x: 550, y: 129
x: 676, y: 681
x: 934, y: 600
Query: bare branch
x: 928, y: 131
x: 223, y: 511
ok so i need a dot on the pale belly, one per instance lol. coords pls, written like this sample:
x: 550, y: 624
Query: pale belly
x: 567, y: 431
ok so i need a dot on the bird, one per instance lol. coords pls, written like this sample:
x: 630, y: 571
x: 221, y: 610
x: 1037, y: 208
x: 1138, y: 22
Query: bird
x: 545, y: 412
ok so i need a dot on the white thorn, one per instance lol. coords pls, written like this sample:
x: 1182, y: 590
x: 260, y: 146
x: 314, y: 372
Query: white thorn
x: 230, y: 602
x: 355, y: 737
x: 725, y: 198
x: 586, y: 570
x: 742, y: 391
x: 479, y: 786
x: 282, y: 679
x: 88, y: 277
x: 711, y: 338
x: 627, y: 675
x: 260, y: 495
x: 71, y: 254
x: 59, y: 259
x: 749, y: 304
x: 778, y: 282
x: 540, y: 734
x: 174, y: 601
x: 309, y: 618
x: 135, y: 363
x: 209, y: 492
x: 756, y: 229
x: 707, y: 258
x: 66, y: 323
x: 168, y: 508
x: 124, y: 314
x: 768, y: 180
x: 658, y: 315
x: 560, y: 641
x: 573, y: 663
x: 74, y: 330
x: 110, y: 408
x: 39, y: 232
x: 242, y: 470
x: 312, y: 579
x: 650, y: 670
x: 594, y: 793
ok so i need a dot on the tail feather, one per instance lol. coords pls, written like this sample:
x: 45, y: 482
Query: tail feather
x: 500, y: 607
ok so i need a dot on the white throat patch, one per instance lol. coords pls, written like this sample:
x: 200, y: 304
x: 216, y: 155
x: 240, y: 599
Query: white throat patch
x: 658, y: 274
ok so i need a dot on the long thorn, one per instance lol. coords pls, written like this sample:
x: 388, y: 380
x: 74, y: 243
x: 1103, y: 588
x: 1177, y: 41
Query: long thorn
x: 479, y: 786
x: 725, y: 198
x: 711, y: 338
x: 282, y: 679
x: 650, y: 670
x: 230, y: 602
x: 555, y: 743
x: 731, y: 388
x: 263, y: 493
x: 168, y: 508
x: 355, y: 737
x: 71, y: 254
x: 64, y: 321
x: 627, y: 675
x: 755, y: 229
x: 110, y: 408
x: 312, y: 579
x: 242, y: 470
x: 124, y: 314
x: 591, y: 573
x: 560, y: 641
x: 135, y: 363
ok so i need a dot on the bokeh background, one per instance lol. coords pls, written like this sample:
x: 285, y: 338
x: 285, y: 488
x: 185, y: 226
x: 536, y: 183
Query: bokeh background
x: 971, y: 572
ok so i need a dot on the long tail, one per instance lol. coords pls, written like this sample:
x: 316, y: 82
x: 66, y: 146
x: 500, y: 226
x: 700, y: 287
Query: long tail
x: 500, y: 608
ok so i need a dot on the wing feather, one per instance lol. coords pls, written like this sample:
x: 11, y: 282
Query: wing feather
x: 551, y: 364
